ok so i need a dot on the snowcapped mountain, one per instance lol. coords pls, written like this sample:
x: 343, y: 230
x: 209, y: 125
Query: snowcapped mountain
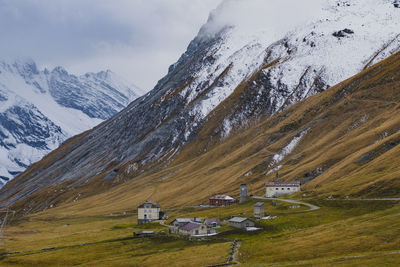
x: 234, y: 73
x: 41, y: 109
x: 289, y: 59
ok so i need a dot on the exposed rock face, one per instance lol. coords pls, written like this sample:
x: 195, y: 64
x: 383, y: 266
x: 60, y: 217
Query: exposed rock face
x: 40, y: 109
x: 227, y: 78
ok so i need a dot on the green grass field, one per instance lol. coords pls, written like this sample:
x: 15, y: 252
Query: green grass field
x: 341, y: 232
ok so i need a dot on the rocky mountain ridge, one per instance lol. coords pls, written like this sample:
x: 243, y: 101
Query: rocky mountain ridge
x: 39, y: 110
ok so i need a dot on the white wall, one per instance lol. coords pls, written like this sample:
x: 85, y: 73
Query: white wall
x: 152, y: 213
x: 277, y: 191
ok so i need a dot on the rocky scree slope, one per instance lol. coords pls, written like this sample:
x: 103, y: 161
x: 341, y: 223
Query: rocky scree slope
x: 227, y: 79
x: 41, y: 109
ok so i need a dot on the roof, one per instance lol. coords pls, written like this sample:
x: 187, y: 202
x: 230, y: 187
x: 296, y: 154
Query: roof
x: 238, y: 219
x: 225, y: 197
x: 153, y: 204
x: 190, y: 226
x: 183, y: 220
x: 291, y: 183
x: 147, y: 232
x: 259, y: 204
x: 186, y: 220
x: 212, y: 220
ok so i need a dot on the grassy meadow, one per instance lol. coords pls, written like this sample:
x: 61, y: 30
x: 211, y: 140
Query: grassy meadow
x: 343, y: 232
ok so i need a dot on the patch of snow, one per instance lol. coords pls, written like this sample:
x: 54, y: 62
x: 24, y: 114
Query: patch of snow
x: 251, y: 229
x: 269, y: 217
x: 213, y: 234
x: 277, y: 158
x: 277, y: 168
x: 361, y: 121
x: 26, y: 154
x: 289, y: 148
x: 248, y: 173
x: 227, y: 127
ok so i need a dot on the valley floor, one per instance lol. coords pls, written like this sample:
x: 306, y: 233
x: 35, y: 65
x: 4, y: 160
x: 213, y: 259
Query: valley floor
x: 340, y: 233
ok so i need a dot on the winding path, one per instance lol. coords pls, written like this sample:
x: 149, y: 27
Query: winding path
x: 311, y: 206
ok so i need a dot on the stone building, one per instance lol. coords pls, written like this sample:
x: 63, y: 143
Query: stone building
x: 148, y: 212
x: 259, y: 210
x: 179, y: 222
x: 276, y: 189
x: 240, y: 222
x: 196, y: 229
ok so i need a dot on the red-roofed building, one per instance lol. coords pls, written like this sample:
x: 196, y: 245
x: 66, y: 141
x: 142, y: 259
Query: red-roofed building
x: 222, y: 200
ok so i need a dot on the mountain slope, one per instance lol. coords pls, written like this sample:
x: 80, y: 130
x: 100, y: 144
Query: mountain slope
x: 227, y: 79
x: 342, y: 142
x: 41, y: 109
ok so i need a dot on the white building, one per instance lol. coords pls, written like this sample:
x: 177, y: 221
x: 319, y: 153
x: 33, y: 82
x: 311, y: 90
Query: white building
x: 148, y: 212
x: 193, y: 227
x: 276, y: 189
x: 239, y: 222
x: 179, y: 222
x: 196, y: 229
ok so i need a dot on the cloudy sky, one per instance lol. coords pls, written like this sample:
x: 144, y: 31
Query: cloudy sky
x: 137, y: 39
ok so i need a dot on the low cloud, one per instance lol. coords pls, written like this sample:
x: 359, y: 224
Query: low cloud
x: 137, y: 39
x: 273, y: 16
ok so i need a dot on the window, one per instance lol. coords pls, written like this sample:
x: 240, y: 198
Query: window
x: 147, y: 207
x: 283, y: 188
x: 276, y: 188
x: 288, y: 188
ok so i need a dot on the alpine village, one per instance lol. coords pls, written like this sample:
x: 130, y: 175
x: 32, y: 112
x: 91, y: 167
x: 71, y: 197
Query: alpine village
x: 272, y: 140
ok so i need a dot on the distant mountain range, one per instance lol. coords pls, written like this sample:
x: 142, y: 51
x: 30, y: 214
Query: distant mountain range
x: 227, y: 81
x: 40, y: 109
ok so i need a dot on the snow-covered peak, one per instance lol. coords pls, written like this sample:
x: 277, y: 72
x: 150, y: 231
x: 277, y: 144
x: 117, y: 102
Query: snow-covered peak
x: 311, y: 40
x: 60, y: 71
x: 114, y: 80
x: 40, y: 109
x: 26, y: 67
